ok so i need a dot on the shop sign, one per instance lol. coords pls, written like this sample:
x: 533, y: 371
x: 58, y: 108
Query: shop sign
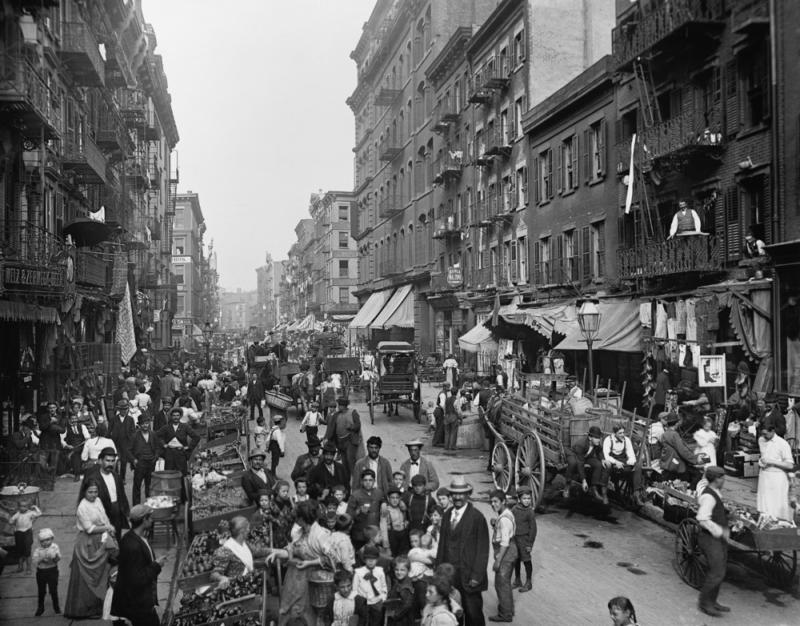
x: 454, y: 276
x: 29, y: 277
x: 711, y: 371
x: 181, y: 259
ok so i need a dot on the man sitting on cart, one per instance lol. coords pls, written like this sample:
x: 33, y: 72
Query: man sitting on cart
x: 588, y: 453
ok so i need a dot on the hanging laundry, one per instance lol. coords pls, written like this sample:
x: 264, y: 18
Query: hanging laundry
x: 682, y: 355
x: 671, y: 310
x: 646, y: 314
x: 691, y: 320
x: 711, y: 320
x: 680, y: 314
x: 661, y: 321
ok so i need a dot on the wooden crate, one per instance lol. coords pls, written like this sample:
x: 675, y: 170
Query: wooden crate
x: 189, y: 583
x: 212, y: 521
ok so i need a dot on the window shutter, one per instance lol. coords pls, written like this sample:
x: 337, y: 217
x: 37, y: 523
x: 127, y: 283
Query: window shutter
x: 558, y: 260
x: 587, y: 146
x: 533, y: 175
x: 514, y: 260
x: 575, y: 149
x: 586, y: 253
x: 559, y: 171
x: 601, y: 146
x: 537, y: 263
x: 733, y: 230
x: 549, y: 173
x: 525, y: 185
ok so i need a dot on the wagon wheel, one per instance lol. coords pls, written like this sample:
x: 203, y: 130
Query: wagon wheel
x: 502, y: 468
x: 779, y: 567
x: 690, y: 560
x: 529, y: 467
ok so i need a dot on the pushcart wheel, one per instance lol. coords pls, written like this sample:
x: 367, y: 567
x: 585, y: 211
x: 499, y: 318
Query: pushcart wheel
x: 779, y: 567
x: 529, y: 468
x: 502, y: 466
x: 691, y: 562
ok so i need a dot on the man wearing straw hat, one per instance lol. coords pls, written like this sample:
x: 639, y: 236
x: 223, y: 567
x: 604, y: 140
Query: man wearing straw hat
x: 416, y: 464
x: 464, y: 543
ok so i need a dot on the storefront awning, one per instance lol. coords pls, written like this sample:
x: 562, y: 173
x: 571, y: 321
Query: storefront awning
x: 398, y: 312
x: 87, y: 232
x: 11, y: 311
x: 620, y: 329
x: 367, y: 313
x: 342, y: 318
x: 560, y: 318
x: 308, y: 324
x: 478, y: 339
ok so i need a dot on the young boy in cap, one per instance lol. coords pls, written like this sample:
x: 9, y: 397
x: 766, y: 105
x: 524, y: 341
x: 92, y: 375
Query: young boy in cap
x: 419, y: 504
x: 45, y: 559
x: 524, y: 537
x: 394, y: 525
x: 276, y: 442
x: 311, y: 421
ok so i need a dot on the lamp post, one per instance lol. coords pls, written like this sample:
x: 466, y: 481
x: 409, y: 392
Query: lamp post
x: 589, y: 321
x: 207, y: 332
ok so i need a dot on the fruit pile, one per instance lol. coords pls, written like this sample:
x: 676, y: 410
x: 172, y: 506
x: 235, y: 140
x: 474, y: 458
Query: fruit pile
x: 207, y: 607
x: 221, y: 498
x: 199, y: 559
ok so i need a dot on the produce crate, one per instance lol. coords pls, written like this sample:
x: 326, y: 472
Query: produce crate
x: 212, y: 521
x: 189, y: 583
x: 241, y: 618
x: 779, y: 539
x: 230, y: 426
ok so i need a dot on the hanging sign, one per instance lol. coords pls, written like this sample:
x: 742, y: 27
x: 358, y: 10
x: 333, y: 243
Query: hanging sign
x: 711, y: 371
x: 30, y: 277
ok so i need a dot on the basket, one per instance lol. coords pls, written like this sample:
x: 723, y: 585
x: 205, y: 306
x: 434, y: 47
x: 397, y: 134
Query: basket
x: 278, y: 400
x: 320, y: 589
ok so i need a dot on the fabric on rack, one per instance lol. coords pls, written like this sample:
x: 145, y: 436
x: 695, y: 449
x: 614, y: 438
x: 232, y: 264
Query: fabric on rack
x: 691, y: 320
x: 762, y: 326
x: 680, y: 314
x: 712, y: 313
x: 661, y: 320
x: 682, y: 355
x: 646, y: 314
x: 695, y: 350
x: 671, y: 310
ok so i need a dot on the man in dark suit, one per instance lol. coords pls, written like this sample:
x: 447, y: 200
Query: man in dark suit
x: 378, y: 464
x: 326, y: 475
x: 257, y: 478
x: 464, y: 543
x: 306, y: 462
x: 145, y: 449
x: 588, y: 452
x: 177, y: 441
x: 111, y: 488
x: 50, y: 431
x: 344, y: 430
x: 135, y: 596
x: 121, y: 428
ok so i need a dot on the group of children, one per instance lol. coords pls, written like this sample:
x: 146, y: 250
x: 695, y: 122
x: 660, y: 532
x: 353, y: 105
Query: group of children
x: 44, y: 557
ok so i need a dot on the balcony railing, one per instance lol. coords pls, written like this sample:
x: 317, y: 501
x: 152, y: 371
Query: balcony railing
x: 491, y: 276
x: 82, y: 156
x: 389, y: 149
x: 691, y: 253
x: 495, y: 73
x: 498, y: 142
x: 658, y: 22
x: 445, y: 113
x: 81, y: 54
x: 136, y: 172
x: 132, y: 106
x: 445, y: 228
x: 31, y: 100
x: 391, y: 205
x: 29, y: 244
x: 691, y: 131
x: 91, y: 269
x: 448, y: 166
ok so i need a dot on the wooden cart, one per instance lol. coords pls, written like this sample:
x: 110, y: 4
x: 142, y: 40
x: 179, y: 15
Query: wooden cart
x: 530, y: 438
x: 775, y: 551
x: 397, y: 382
x: 348, y: 367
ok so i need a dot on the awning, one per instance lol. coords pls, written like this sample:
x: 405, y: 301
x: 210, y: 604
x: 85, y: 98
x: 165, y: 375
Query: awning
x: 398, y: 312
x: 342, y: 318
x: 560, y: 318
x: 308, y: 324
x: 87, y: 232
x: 12, y: 311
x: 367, y: 313
x: 619, y: 330
x: 478, y: 339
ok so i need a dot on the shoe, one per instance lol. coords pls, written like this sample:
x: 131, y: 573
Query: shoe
x: 39, y: 611
x: 500, y: 618
x: 57, y: 610
x: 722, y: 608
x: 709, y: 610
x: 526, y: 587
x: 517, y: 583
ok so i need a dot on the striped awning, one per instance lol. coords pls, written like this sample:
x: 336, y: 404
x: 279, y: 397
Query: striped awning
x: 11, y: 311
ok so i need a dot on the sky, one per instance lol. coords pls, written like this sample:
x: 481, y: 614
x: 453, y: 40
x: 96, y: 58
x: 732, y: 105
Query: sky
x: 258, y: 91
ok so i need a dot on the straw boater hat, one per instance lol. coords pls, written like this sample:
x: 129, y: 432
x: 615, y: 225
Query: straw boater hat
x: 257, y: 452
x: 459, y: 485
x: 415, y: 442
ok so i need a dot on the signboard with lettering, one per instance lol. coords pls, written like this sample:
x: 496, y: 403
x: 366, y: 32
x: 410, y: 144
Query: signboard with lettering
x: 454, y: 276
x: 37, y: 278
x: 181, y: 259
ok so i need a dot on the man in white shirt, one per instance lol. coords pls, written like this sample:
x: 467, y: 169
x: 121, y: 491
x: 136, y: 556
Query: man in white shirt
x: 416, y: 464
x: 713, y: 540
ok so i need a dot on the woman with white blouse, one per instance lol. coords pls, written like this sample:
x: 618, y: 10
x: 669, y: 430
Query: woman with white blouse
x: 90, y: 568
x: 94, y: 445
x: 773, y: 481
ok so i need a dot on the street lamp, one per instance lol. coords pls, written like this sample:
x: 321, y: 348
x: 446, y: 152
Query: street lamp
x: 207, y: 332
x: 589, y: 321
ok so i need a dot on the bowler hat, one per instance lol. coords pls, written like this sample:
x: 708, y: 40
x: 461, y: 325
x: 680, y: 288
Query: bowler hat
x: 258, y: 452
x: 594, y: 431
x: 329, y: 447
x: 123, y: 404
x: 771, y: 398
x: 313, y: 442
x: 108, y: 451
x: 459, y: 485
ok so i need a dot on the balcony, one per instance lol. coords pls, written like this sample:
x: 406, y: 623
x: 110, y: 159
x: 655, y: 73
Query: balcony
x: 132, y: 106
x: 151, y: 130
x: 681, y: 255
x: 82, y: 156
x: 693, y: 133
x: 480, y: 214
x: 136, y: 174
x: 478, y: 93
x: 391, y: 205
x: 91, y: 269
x: 80, y: 53
x: 110, y: 133
x: 682, y: 24
x: 28, y: 244
x: 445, y: 228
x: 489, y: 277
x: 448, y: 166
x: 498, y: 143
x: 445, y: 113
x: 387, y: 96
x: 389, y: 149
x: 496, y: 73
x: 26, y: 98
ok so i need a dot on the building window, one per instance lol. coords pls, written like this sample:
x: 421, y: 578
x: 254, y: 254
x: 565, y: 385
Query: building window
x: 595, y: 151
x: 344, y: 268
x: 180, y: 218
x: 344, y: 295
x: 522, y: 253
x: 545, y: 243
x: 519, y: 111
x: 568, y: 165
x: 755, y: 72
x: 344, y: 213
x: 599, y: 247
x: 180, y: 274
x: 570, y: 264
x: 179, y: 246
x: 344, y: 240
x: 544, y: 176
x: 519, y: 47
x: 180, y: 305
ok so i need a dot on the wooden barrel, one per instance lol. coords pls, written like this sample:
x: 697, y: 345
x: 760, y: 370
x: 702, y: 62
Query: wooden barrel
x: 578, y: 428
x: 471, y: 434
x: 166, y: 483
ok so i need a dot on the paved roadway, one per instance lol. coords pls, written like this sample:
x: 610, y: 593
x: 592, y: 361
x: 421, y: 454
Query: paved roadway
x: 579, y: 561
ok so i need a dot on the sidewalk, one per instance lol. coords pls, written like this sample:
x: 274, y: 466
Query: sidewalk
x: 18, y: 591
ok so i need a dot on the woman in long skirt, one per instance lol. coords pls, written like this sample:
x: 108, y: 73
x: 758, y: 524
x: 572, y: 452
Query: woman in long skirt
x: 773, y: 482
x: 89, y: 570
